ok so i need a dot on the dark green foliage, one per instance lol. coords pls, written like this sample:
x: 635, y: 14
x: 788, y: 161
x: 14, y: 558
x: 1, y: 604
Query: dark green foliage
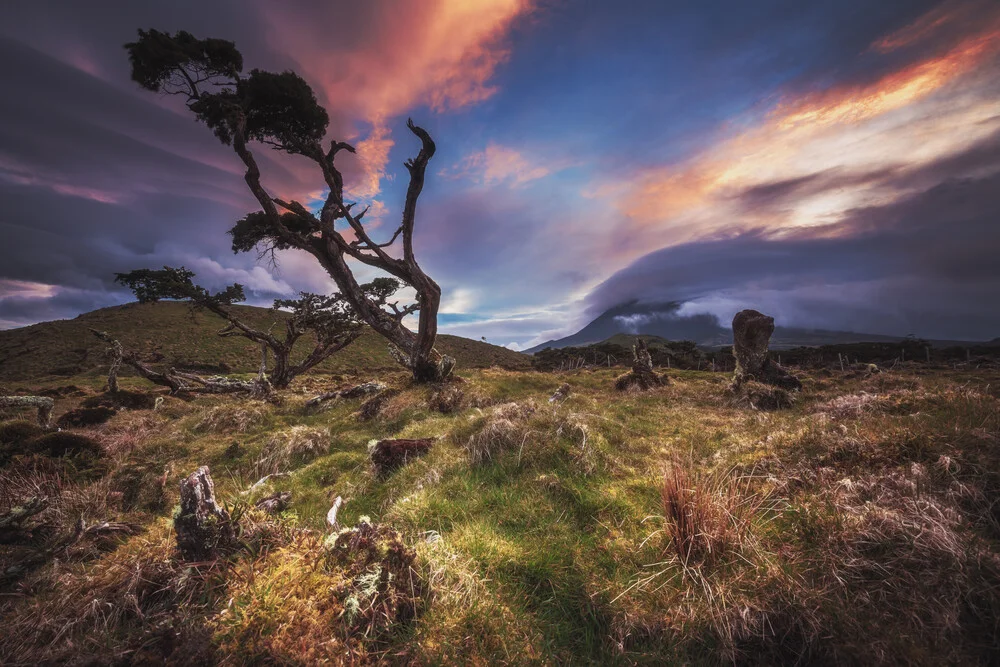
x: 281, y: 110
x: 159, y: 59
x: 277, y: 109
x: 170, y: 283
x: 255, y: 229
x: 86, y: 417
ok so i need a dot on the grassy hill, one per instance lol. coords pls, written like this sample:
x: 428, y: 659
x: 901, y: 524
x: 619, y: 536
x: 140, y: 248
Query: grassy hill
x: 185, y: 337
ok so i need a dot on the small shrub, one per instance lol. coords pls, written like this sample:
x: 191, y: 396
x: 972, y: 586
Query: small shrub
x: 129, y: 400
x: 382, y: 589
x: 81, y: 417
x: 17, y: 432
x: 13, y: 436
x: 63, y: 443
x: 447, y: 398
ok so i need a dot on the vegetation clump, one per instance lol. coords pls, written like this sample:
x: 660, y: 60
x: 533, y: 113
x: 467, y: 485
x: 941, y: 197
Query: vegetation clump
x: 81, y: 417
x: 387, y: 455
x: 382, y: 587
x: 504, y: 429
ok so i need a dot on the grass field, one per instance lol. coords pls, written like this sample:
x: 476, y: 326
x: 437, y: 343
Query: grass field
x: 667, y: 527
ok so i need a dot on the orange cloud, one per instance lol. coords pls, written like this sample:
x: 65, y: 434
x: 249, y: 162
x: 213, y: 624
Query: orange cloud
x: 498, y: 164
x: 383, y: 58
x: 911, y: 117
x: 441, y: 53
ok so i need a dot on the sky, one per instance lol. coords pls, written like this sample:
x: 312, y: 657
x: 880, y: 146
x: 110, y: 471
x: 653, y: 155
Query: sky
x: 835, y: 164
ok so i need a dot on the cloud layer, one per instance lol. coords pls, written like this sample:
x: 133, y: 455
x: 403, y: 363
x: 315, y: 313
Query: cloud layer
x: 834, y: 164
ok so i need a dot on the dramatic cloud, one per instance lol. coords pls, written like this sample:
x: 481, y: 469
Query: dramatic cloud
x: 833, y: 163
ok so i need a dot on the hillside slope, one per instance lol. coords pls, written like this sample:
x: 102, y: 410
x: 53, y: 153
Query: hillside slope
x: 176, y: 335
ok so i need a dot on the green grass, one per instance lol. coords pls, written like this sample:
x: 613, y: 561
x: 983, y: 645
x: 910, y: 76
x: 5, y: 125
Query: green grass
x: 871, y: 534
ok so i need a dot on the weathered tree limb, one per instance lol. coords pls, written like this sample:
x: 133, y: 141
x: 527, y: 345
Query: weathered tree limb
x: 27, y: 509
x: 181, y: 381
x: 331, y: 516
x: 363, y: 389
x: 43, y: 404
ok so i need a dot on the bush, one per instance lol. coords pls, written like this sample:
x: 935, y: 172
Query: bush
x: 18, y: 432
x: 62, y: 443
x: 129, y: 400
x: 503, y: 430
x: 14, y: 436
x: 86, y: 417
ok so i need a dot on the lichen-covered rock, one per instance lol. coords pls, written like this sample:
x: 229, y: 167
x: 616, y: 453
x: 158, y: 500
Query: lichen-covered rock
x: 642, y: 376
x: 751, y: 334
x: 204, y: 528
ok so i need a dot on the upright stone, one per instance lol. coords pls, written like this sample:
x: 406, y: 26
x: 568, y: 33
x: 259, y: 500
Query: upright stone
x: 642, y: 376
x: 751, y: 334
x: 203, y: 526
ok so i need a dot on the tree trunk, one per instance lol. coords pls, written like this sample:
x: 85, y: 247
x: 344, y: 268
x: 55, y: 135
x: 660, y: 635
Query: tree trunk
x: 203, y: 527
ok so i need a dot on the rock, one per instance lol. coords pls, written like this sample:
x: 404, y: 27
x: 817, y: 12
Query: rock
x: 751, y: 334
x: 276, y: 502
x: 642, y: 376
x: 204, y: 528
x: 387, y: 455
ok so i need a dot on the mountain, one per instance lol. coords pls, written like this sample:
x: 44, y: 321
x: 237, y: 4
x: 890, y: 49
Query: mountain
x: 179, y: 336
x: 663, y: 320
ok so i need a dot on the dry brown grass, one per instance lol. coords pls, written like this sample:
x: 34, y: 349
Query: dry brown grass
x: 504, y: 429
x: 236, y: 417
x: 708, y: 514
x: 291, y: 447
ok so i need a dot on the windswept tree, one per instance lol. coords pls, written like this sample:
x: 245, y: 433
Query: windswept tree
x: 281, y: 111
x: 331, y: 320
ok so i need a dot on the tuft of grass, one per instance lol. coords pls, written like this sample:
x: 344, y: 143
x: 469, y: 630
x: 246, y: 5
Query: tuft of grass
x: 708, y: 515
x: 290, y: 447
x: 239, y: 417
x: 504, y: 429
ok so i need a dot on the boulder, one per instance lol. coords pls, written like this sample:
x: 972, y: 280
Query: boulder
x: 751, y: 334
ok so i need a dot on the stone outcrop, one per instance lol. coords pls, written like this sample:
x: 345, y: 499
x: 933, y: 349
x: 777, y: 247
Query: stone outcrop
x: 642, y: 376
x: 751, y: 334
x: 204, y: 528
